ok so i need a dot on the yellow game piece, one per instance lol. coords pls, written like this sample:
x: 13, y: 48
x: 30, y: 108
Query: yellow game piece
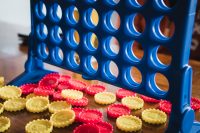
x: 133, y: 102
x: 1, y: 108
x: 129, y: 123
x: 15, y: 104
x: 73, y: 94
x: 4, y: 123
x: 1, y: 81
x: 37, y: 104
x: 31, y: 95
x: 39, y: 126
x: 63, y: 118
x: 105, y: 98
x: 9, y: 92
x: 58, y: 106
x: 154, y: 116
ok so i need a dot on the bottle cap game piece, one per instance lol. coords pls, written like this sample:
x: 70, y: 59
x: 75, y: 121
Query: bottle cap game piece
x: 57, y: 96
x: 5, y: 123
x: 90, y: 116
x: 31, y: 95
x: 64, y: 78
x: 39, y: 126
x: 73, y: 94
x: 105, y: 98
x: 149, y: 99
x: 1, y: 108
x: 77, y: 85
x: 28, y: 88
x: 63, y: 118
x: 1, y: 81
x: 133, y: 102
x: 87, y: 128
x: 195, y: 103
x: 55, y: 75
x: 78, y: 102
x: 94, y: 89
x: 154, y: 116
x: 15, y: 104
x: 121, y: 93
x: 129, y: 123
x: 58, y: 106
x: 37, y: 104
x: 43, y: 91
x: 104, y: 127
x: 165, y: 106
x: 77, y: 113
x: 49, y: 81
x: 9, y: 92
x: 116, y: 110
x: 63, y: 86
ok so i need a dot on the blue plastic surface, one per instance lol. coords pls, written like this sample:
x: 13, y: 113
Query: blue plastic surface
x: 46, y: 29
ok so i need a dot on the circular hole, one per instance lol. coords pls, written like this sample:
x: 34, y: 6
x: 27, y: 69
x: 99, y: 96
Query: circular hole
x: 164, y: 56
x: 112, y: 2
x: 73, y: 38
x: 111, y: 70
x: 57, y: 55
x: 136, y: 24
x: 42, y: 31
x: 167, y: 27
x: 91, y: 65
x: 43, y: 51
x: 161, y: 82
x: 56, y: 34
x: 72, y: 15
x: 137, y: 3
x: 112, y: 21
x: 91, y: 18
x: 73, y: 60
x: 40, y: 10
x: 91, y: 1
x: 111, y: 46
x: 55, y: 12
x: 91, y: 42
x: 169, y: 3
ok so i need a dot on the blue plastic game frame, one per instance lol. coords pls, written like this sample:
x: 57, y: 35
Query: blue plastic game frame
x: 178, y: 73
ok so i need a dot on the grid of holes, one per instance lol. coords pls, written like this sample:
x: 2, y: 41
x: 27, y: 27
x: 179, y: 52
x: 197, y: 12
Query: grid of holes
x: 110, y: 45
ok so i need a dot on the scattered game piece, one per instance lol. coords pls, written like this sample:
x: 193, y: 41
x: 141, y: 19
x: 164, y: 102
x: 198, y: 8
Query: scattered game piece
x: 43, y: 91
x: 1, y: 81
x: 149, y: 99
x: 57, y: 96
x: 78, y: 102
x: 15, y: 104
x: 30, y: 96
x: 154, y: 116
x: 94, y: 89
x: 58, y: 106
x: 116, y: 110
x: 77, y: 113
x: 87, y: 128
x: 90, y: 116
x: 73, y: 94
x: 9, y: 92
x: 4, y: 123
x: 1, y: 108
x: 104, y: 127
x: 165, y: 106
x: 50, y: 81
x: 105, y: 98
x: 121, y: 93
x: 63, y: 118
x: 133, y: 102
x: 39, y: 126
x: 64, y: 78
x: 55, y: 75
x: 129, y: 123
x: 37, y: 104
x: 77, y: 85
x: 195, y: 103
x: 28, y: 88
x: 63, y: 86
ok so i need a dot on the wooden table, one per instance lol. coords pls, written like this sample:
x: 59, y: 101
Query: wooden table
x: 12, y: 59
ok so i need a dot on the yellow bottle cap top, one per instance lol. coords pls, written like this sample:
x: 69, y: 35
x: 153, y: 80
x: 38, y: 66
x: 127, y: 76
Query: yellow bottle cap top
x: 154, y: 116
x: 9, y: 92
x: 133, y: 102
x: 73, y: 94
x: 58, y: 106
x: 4, y: 123
x: 105, y: 98
x: 31, y: 95
x: 37, y: 104
x: 1, y: 108
x: 39, y: 126
x: 15, y: 104
x: 129, y: 123
x: 63, y: 118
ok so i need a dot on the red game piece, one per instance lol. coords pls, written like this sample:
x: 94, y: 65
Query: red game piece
x: 121, y: 93
x: 62, y: 86
x: 50, y: 82
x: 55, y: 75
x: 195, y: 103
x: 87, y: 128
x: 165, y: 106
x: 105, y: 127
x: 57, y: 96
x: 77, y: 113
x: 149, y: 99
x: 77, y: 85
x: 64, y: 78
x: 78, y: 102
x: 90, y: 116
x: 94, y: 89
x: 28, y: 88
x: 43, y: 91
x: 116, y: 110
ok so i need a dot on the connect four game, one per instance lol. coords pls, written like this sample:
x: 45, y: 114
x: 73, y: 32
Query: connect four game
x: 71, y: 34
